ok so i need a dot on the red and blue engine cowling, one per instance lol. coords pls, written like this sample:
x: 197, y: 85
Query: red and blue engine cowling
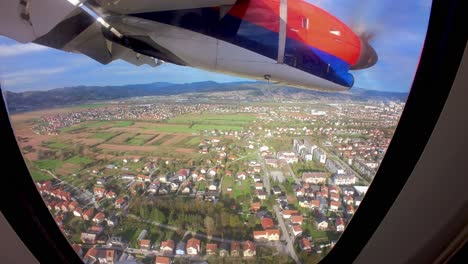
x: 255, y: 25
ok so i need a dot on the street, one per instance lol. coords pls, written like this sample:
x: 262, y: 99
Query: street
x: 284, y: 230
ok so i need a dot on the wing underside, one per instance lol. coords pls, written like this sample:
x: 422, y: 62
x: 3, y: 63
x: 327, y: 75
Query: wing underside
x: 78, y: 27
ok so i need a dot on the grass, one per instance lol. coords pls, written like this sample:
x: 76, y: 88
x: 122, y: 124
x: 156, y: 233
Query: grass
x: 80, y: 160
x: 57, y: 144
x: 38, y: 176
x: 103, y: 135
x: 123, y: 123
x: 162, y: 140
x: 48, y: 164
x: 136, y: 141
x: 214, y: 119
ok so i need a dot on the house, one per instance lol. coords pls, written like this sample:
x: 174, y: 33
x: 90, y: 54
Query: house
x: 212, y: 186
x: 322, y: 223
x: 314, y: 177
x: 350, y: 209
x: 249, y: 249
x: 110, y: 195
x: 143, y: 178
x: 339, y: 224
x: 348, y: 200
x: 167, y: 247
x: 78, y: 212
x: 120, y: 203
x: 257, y: 178
x: 99, y: 255
x: 297, y: 219
x: 88, y: 238
x: 186, y: 190
x: 88, y: 214
x: 163, y: 178
x: 241, y: 175
x: 212, y: 172
x: 235, y: 249
x: 99, y: 191
x: 144, y: 244
x: 211, y: 248
x: 334, y: 197
x: 201, y: 177
x: 72, y: 206
x: 305, y: 244
x: 324, y: 191
x: 258, y: 186
x: 99, y: 217
x: 64, y: 207
x: 288, y: 213
x: 78, y: 249
x: 297, y: 230
x: 193, y: 246
x: 333, y: 189
x: 162, y: 260
x: 224, y: 249
x: 276, y: 190
x: 269, y: 234
x: 344, y: 179
x: 261, y: 195
x: 255, y: 206
x: 334, y: 206
x: 180, y: 248
x: 267, y: 223
x: 112, y: 220
x: 182, y: 174
x: 347, y: 190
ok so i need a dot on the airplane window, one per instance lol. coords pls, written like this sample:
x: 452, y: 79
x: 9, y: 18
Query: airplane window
x: 218, y: 131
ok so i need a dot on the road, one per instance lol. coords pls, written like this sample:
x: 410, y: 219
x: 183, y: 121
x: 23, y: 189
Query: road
x: 266, y: 174
x: 82, y: 196
x: 284, y: 230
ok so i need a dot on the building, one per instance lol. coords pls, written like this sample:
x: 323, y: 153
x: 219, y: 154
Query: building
x: 314, y: 177
x: 249, y: 249
x: 270, y: 235
x: 267, y: 223
x: 235, y: 249
x: 162, y: 260
x: 167, y: 247
x: 193, y: 246
x: 211, y: 248
x: 339, y: 224
x: 344, y: 179
x: 144, y: 244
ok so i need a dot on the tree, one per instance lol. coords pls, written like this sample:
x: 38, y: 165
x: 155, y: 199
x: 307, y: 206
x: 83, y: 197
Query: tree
x: 210, y: 225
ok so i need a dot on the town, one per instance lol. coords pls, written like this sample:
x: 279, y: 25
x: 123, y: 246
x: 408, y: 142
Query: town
x: 258, y: 182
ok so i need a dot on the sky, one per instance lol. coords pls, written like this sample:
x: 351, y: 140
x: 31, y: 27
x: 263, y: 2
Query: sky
x: 399, y: 27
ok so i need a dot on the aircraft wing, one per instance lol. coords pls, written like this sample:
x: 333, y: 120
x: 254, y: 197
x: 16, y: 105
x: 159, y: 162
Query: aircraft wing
x: 70, y: 26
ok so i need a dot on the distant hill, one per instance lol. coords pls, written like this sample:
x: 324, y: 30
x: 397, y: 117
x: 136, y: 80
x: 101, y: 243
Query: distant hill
x: 32, y: 100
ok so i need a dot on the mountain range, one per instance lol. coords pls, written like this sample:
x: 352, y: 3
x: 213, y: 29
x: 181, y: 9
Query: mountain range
x: 33, y: 100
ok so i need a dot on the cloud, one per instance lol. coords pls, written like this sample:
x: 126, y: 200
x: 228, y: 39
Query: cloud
x: 19, y: 49
x: 29, y: 76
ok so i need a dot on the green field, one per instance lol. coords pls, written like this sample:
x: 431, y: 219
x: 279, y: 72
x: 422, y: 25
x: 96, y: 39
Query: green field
x: 188, y: 142
x: 161, y: 140
x: 48, y: 164
x: 40, y: 176
x: 80, y: 160
x: 214, y: 119
x: 103, y: 135
x: 56, y: 144
x: 123, y: 123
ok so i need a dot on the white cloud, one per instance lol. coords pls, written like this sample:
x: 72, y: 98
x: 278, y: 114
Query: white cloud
x: 29, y: 76
x: 19, y: 49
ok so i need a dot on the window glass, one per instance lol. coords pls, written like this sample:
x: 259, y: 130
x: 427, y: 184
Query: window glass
x: 247, y: 132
